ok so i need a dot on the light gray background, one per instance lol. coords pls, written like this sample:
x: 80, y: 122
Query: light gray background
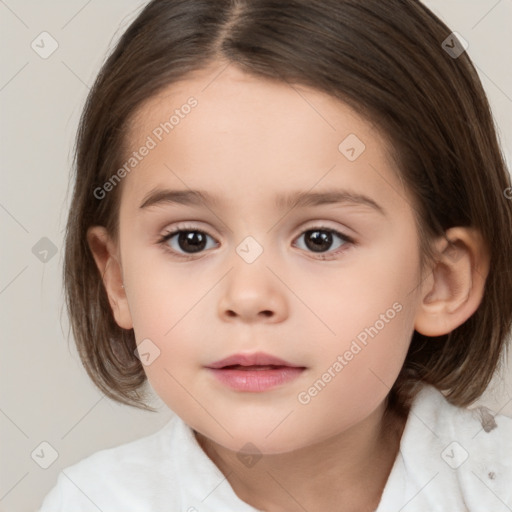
x: 46, y: 395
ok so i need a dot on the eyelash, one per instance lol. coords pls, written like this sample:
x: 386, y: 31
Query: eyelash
x: 348, y: 241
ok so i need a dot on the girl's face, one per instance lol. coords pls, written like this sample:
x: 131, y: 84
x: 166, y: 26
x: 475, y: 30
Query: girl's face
x: 328, y: 284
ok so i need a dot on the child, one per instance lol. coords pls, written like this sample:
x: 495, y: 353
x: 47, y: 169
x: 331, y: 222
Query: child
x: 293, y: 218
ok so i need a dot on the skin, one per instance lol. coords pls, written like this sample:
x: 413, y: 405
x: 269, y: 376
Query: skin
x: 247, y: 141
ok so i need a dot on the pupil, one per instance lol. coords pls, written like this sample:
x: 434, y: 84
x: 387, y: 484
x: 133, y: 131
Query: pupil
x: 322, y: 240
x: 191, y: 241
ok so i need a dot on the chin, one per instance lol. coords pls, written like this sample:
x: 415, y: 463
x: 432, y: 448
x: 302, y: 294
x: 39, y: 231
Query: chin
x: 254, y: 441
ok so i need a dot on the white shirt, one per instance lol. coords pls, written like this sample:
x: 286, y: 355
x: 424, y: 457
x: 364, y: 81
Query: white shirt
x: 450, y: 460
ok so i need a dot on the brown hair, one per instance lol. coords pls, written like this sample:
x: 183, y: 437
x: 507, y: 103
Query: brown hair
x: 386, y: 60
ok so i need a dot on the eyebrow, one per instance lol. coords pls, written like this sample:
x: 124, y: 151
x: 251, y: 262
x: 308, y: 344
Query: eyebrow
x: 287, y: 201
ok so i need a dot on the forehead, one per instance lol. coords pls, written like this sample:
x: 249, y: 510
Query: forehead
x: 255, y: 134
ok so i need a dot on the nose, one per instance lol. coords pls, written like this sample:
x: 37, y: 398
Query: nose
x: 252, y: 293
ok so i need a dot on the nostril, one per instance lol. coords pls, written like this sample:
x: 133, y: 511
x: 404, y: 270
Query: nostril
x: 266, y: 313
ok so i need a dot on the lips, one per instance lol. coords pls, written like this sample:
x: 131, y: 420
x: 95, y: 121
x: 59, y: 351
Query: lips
x: 256, y: 361
x: 254, y: 373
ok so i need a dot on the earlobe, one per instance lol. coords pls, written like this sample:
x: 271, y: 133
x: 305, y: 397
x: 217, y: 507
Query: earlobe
x: 104, y: 252
x: 455, y: 287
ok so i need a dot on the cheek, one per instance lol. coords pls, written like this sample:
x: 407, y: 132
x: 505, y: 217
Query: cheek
x: 160, y: 294
x: 167, y: 310
x: 370, y: 310
x: 374, y: 289
x: 355, y: 370
x: 164, y: 327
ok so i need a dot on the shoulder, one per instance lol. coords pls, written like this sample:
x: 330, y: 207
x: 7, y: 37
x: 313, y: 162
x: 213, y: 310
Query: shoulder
x: 166, y: 471
x: 478, y: 434
x: 123, y: 477
x: 453, y: 458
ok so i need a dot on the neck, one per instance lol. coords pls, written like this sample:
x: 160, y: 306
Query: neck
x: 349, y: 468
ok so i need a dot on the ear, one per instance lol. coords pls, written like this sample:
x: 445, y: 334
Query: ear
x: 454, y: 289
x: 107, y: 261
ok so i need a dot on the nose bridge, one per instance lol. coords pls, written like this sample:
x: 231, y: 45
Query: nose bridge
x: 251, y: 290
x: 254, y: 245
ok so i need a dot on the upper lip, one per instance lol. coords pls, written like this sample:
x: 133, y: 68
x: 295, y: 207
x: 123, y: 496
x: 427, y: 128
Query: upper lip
x: 254, y: 359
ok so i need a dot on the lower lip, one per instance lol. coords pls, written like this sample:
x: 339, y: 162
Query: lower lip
x: 256, y: 380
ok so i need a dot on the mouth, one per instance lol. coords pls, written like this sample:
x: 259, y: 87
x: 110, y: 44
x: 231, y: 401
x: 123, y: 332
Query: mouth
x: 254, y: 372
x: 254, y: 360
x: 254, y: 367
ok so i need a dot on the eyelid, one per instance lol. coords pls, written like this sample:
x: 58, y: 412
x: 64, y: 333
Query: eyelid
x: 325, y: 224
x: 194, y: 225
x: 185, y: 226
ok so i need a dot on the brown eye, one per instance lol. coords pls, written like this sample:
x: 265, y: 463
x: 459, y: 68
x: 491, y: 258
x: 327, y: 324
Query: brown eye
x: 321, y: 240
x: 186, y: 241
x: 191, y: 241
